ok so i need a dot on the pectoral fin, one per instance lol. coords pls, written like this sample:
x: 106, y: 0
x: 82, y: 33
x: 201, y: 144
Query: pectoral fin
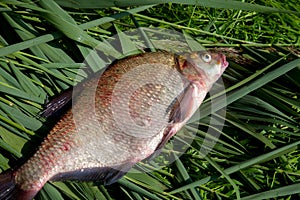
x: 183, y: 107
x: 180, y: 111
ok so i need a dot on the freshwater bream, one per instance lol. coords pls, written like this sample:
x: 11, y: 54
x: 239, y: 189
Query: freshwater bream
x: 120, y: 118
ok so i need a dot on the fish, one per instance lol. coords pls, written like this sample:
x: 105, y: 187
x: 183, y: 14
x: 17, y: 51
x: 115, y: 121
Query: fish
x: 119, y: 117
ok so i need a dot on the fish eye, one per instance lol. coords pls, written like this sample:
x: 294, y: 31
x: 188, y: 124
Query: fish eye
x: 206, y: 57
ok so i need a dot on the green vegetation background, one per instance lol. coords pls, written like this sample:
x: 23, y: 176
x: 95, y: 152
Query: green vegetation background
x: 43, y: 44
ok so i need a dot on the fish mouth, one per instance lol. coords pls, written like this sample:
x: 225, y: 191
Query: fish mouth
x: 224, y: 61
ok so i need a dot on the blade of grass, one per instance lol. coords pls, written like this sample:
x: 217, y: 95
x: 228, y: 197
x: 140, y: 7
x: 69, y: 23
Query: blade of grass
x: 128, y: 47
x: 7, y: 78
x: 183, y: 27
x: 226, y: 175
x: 194, y: 46
x: 26, y: 84
x: 213, y: 138
x: 26, y: 5
x: 152, y: 188
x: 56, y: 35
x: 246, y: 80
x: 259, y: 159
x: 279, y: 192
x: 44, y: 69
x: 20, y: 118
x: 8, y: 148
x: 232, y: 96
x: 184, y: 174
x: 143, y: 34
x: 138, y: 189
x: 49, y: 192
x: 227, y: 4
x: 246, y: 128
x: 13, y: 141
x: 145, y: 178
x: 281, y: 97
x: 7, y: 89
x: 256, y: 105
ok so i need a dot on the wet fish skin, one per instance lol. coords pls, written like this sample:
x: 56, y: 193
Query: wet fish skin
x: 88, y: 144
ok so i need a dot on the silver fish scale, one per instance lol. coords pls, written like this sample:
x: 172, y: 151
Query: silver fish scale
x: 112, y: 142
x: 101, y: 141
x: 122, y: 118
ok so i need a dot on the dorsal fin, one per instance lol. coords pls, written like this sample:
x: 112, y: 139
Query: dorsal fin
x: 57, y: 104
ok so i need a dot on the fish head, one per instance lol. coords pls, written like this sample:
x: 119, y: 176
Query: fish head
x: 202, y: 67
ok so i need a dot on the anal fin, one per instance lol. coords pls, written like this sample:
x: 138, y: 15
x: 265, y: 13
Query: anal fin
x: 106, y: 175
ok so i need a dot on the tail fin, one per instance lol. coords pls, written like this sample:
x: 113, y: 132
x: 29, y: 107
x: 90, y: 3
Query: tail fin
x: 10, y: 191
x: 7, y: 186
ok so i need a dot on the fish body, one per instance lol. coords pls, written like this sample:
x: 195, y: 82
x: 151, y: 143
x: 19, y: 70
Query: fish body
x: 120, y: 118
